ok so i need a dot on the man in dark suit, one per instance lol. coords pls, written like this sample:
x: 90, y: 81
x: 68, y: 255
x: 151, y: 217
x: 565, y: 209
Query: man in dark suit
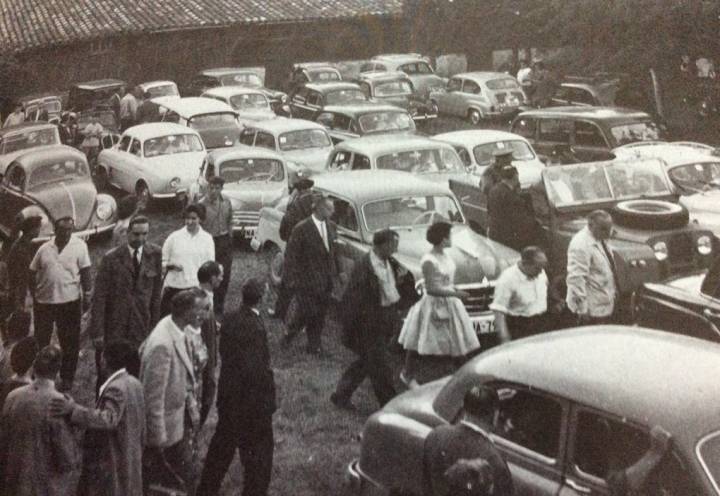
x: 311, y: 268
x: 128, y: 285
x: 511, y: 221
x: 245, y: 400
x: 369, y: 319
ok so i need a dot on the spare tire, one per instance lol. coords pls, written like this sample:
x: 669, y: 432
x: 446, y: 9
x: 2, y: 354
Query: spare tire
x: 650, y: 215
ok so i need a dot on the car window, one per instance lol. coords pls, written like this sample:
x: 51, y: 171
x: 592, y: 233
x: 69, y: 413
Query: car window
x: 588, y: 134
x: 251, y: 170
x: 562, y: 93
x: 135, y: 147
x: 15, y: 178
x: 29, y: 139
x: 365, y: 88
x: 400, y: 87
x: 342, y: 122
x: 367, y: 67
x: 340, y: 161
x: 635, y: 132
x: 484, y: 154
x: 303, y: 139
x: 124, y: 143
x: 416, y: 68
x: 410, y: 211
x: 213, y: 121
x: 471, y: 87
x: 249, y: 101
x: 175, y: 143
x: 301, y: 95
x: 344, y: 215
x: 378, y: 122
x: 555, y: 130
x: 360, y: 162
x: 454, y: 84
x: 327, y: 119
x: 314, y: 98
x: 323, y: 75
x: 464, y: 155
x: 265, y: 140
x: 171, y: 116
x: 241, y: 78
x: 524, y: 127
x: 422, y: 161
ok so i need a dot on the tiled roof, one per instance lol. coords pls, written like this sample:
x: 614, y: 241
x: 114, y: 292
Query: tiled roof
x: 26, y: 24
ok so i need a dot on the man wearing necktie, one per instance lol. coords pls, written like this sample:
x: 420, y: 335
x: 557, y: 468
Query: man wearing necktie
x: 591, y: 275
x: 312, y: 270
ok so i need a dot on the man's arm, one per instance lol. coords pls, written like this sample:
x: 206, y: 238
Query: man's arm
x: 499, y: 306
x: 578, y: 268
x: 155, y: 380
x: 106, y: 416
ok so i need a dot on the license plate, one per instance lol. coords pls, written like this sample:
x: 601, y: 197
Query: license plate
x: 249, y: 232
x: 484, y: 324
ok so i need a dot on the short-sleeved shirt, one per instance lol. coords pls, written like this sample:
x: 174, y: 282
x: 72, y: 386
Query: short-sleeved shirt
x: 218, y: 216
x: 58, y: 272
x: 190, y: 252
x: 518, y: 295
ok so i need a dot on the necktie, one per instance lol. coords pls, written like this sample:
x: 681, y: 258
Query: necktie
x: 611, y: 261
x: 136, y: 262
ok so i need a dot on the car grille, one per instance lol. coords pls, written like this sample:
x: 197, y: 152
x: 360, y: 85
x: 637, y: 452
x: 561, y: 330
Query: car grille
x: 245, y: 218
x: 479, y: 299
x: 681, y: 251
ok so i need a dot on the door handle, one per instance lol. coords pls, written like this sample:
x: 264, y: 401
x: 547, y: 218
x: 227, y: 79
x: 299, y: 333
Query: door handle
x: 577, y: 487
x: 710, y: 314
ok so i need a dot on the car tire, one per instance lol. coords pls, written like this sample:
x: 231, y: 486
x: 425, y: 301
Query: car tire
x: 650, y: 215
x: 474, y: 117
x: 274, y: 257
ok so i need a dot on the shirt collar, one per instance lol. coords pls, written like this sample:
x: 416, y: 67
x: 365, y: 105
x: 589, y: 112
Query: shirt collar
x: 109, y: 379
x: 132, y: 251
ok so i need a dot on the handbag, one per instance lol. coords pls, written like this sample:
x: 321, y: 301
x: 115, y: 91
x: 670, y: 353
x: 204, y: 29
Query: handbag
x: 440, y: 309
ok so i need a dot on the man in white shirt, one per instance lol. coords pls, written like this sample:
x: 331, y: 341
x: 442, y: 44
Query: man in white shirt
x: 128, y: 109
x: 59, y: 270
x: 16, y: 117
x: 520, y: 299
x: 183, y: 253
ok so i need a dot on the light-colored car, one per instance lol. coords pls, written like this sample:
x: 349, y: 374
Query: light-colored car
x: 479, y: 95
x: 477, y: 148
x: 20, y: 139
x: 251, y: 104
x: 254, y: 178
x: 157, y: 160
x: 312, y: 72
x: 417, y: 68
x: 42, y: 107
x: 305, y: 145
x: 160, y: 91
x: 251, y: 77
x: 217, y: 122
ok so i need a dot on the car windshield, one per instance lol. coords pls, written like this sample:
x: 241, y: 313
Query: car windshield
x: 63, y: 170
x: 305, y: 138
x: 378, y: 122
x: 323, y: 75
x: 251, y: 169
x: 502, y: 84
x: 410, y: 211
x: 422, y: 161
x: 106, y: 118
x: 634, y: 132
x: 241, y: 78
x: 28, y: 139
x: 708, y: 451
x: 339, y: 97
x: 249, y: 101
x: 697, y: 177
x: 163, y: 90
x: 169, y: 145
x: 605, y: 181
x: 417, y: 68
x: 213, y: 121
x: 393, y: 88
x: 484, y: 154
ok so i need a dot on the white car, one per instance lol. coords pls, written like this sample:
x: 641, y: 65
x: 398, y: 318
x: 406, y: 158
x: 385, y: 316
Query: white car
x: 251, y: 104
x: 20, y: 139
x: 157, y: 160
x: 477, y: 148
x: 160, y: 91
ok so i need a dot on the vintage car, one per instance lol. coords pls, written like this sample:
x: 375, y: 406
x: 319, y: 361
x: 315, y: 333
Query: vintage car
x: 54, y: 182
x: 363, y: 119
x: 251, y: 104
x: 434, y: 160
x: 586, y: 91
x: 592, y: 132
x: 310, y: 99
x: 215, y: 121
x: 305, y: 145
x: 565, y: 420
x: 477, y: 147
x: 396, y: 88
x: 254, y: 178
x: 367, y: 201
x: 251, y: 77
x: 156, y: 160
x: 416, y: 66
x: 20, y: 139
x: 311, y: 72
x: 160, y: 90
x: 42, y: 107
x: 90, y: 94
x: 479, y: 95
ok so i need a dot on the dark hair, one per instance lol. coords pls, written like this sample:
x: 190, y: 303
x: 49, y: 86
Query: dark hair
x: 47, y: 362
x: 127, y: 206
x: 63, y: 219
x: 138, y: 219
x: 508, y: 172
x: 147, y: 94
x: 18, y: 325
x: 207, y: 271
x: 437, y: 232
x: 184, y: 300
x: 304, y: 183
x: 252, y: 291
x: 480, y: 401
x: 530, y: 253
x: 119, y: 353
x: 597, y: 215
x: 384, y: 236
x: 216, y: 181
x: 23, y: 355
x: 318, y: 199
x: 194, y: 208
x: 30, y: 223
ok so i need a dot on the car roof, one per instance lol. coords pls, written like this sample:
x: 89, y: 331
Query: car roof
x: 39, y: 96
x: 221, y: 71
x: 482, y: 76
x: 157, y: 129
x: 42, y: 155
x: 380, y: 145
x: 25, y: 126
x: 363, y: 186
x: 672, y: 154
x: 194, y: 105
x: 399, y: 57
x: 282, y: 125
x: 645, y: 375
x: 100, y: 83
x: 474, y: 137
x: 153, y: 84
x: 362, y: 108
x: 329, y: 86
x: 376, y: 76
x: 315, y: 65
x: 230, y: 91
x: 610, y: 114
x: 242, y: 151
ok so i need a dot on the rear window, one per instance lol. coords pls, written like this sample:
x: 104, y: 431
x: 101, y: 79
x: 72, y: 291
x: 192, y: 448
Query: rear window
x: 250, y: 101
x: 241, y: 78
x: 634, y: 132
x: 252, y: 170
x: 503, y: 84
x: 422, y: 161
x: 169, y: 145
x: 417, y: 68
x: 306, y: 138
x: 212, y: 121
x: 345, y: 96
x: 325, y: 75
x: 378, y: 122
x: 484, y: 153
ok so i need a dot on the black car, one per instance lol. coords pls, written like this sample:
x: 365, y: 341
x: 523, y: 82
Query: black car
x: 366, y: 118
x: 396, y: 88
x: 91, y: 94
x: 310, y: 99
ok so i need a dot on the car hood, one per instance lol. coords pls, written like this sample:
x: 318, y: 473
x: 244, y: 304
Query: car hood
x: 9, y: 157
x: 219, y: 137
x: 256, y: 115
x: 183, y: 165
x: 313, y: 158
x: 74, y: 198
x: 423, y: 82
x: 254, y: 195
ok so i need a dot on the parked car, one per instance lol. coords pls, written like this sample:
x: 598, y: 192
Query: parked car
x: 396, y: 88
x: 591, y: 132
x: 251, y: 104
x: 367, y: 201
x: 563, y: 422
x: 363, y: 119
x: 311, y: 72
x: 254, y: 178
x: 54, y: 182
x: 305, y: 145
x: 310, y: 99
x: 20, y: 139
x: 110, y: 134
x: 160, y: 90
x: 476, y: 96
x: 90, y: 94
x: 592, y: 91
x: 251, y: 77
x: 434, y: 160
x: 215, y: 121
x: 652, y: 237
x: 156, y: 160
x: 476, y: 149
x: 417, y: 68
x: 42, y: 107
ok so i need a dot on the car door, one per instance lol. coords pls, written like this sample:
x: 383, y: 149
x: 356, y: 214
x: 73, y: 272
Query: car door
x: 118, y: 161
x: 247, y: 136
x: 552, y: 132
x: 298, y: 104
x: 133, y: 169
x: 349, y: 245
x: 448, y: 100
x: 589, y: 143
x: 471, y: 94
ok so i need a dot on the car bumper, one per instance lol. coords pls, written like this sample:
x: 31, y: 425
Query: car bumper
x: 424, y: 116
x: 84, y: 235
x: 179, y: 194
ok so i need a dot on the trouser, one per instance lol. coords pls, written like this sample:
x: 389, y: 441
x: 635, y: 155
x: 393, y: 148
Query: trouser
x: 312, y: 312
x: 522, y: 327
x: 223, y: 256
x: 177, y: 468
x: 165, y: 301
x: 66, y: 316
x: 252, y: 437
x: 283, y: 300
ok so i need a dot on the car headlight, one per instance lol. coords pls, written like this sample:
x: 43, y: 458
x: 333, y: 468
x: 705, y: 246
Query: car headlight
x: 661, y: 250
x: 174, y: 183
x: 104, y: 211
x: 704, y: 245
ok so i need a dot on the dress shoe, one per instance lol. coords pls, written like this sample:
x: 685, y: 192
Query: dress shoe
x: 342, y: 403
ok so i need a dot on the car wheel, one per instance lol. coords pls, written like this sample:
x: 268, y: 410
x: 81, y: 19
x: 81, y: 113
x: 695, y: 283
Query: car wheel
x: 474, y: 117
x: 143, y: 195
x: 650, y: 214
x: 275, y: 259
x: 101, y: 178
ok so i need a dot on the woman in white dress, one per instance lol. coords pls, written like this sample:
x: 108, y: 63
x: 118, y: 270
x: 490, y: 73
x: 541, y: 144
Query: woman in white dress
x: 437, y: 325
